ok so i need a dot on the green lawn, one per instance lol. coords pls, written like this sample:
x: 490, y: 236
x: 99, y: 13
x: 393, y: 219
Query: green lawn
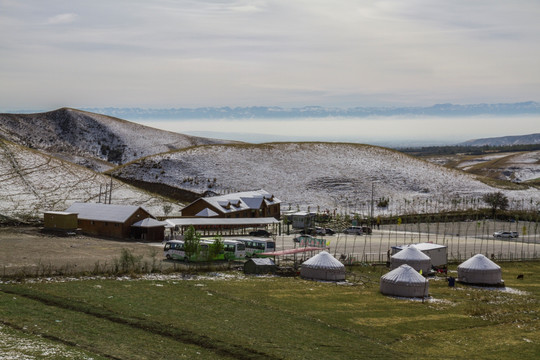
x: 275, y: 318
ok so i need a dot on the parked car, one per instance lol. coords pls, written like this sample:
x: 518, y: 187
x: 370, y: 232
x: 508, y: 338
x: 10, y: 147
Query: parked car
x: 260, y: 233
x: 356, y: 230
x: 329, y: 231
x: 505, y: 234
x: 366, y: 230
x: 320, y: 231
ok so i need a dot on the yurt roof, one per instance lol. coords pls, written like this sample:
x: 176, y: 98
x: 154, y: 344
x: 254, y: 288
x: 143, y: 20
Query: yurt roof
x: 479, y: 262
x: 404, y: 274
x: 411, y: 253
x: 323, y: 260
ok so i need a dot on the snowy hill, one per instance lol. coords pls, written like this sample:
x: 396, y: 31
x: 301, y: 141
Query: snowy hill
x: 324, y: 175
x: 96, y: 141
x: 530, y: 139
x: 32, y: 182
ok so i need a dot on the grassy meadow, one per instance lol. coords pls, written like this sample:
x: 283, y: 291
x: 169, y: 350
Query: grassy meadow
x: 230, y: 316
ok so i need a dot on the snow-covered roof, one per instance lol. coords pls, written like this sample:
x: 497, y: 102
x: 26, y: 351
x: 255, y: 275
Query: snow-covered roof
x: 149, y: 222
x: 186, y: 221
x: 478, y: 262
x: 403, y: 274
x: 247, y: 200
x: 422, y: 246
x: 263, y: 261
x: 206, y: 212
x: 59, y: 213
x: 103, y: 212
x: 411, y: 253
x: 323, y: 260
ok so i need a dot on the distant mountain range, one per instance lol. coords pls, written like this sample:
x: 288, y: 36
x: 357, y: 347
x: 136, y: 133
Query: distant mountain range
x: 530, y: 139
x: 529, y: 107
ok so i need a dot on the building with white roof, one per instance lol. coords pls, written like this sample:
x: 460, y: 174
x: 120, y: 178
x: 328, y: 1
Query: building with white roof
x: 108, y: 219
x: 480, y: 270
x: 404, y: 281
x: 247, y: 204
x: 323, y: 266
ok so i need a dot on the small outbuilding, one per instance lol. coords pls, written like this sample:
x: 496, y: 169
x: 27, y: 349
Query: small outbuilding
x: 413, y: 257
x: 259, y: 266
x: 323, y: 266
x: 60, y: 221
x: 149, y: 229
x: 480, y: 270
x: 404, y: 281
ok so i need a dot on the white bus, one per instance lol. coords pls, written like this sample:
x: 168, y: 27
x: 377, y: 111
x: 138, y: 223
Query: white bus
x: 234, y: 249
x: 254, y: 246
x: 175, y: 249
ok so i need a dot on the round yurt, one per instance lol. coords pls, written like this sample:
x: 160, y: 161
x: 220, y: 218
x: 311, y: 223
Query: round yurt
x: 412, y: 257
x: 479, y: 270
x: 323, y: 266
x: 404, y: 281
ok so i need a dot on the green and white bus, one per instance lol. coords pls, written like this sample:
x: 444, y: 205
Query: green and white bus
x: 175, y: 250
x: 255, y: 246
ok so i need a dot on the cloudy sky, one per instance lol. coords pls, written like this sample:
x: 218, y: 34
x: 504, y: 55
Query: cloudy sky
x: 168, y: 53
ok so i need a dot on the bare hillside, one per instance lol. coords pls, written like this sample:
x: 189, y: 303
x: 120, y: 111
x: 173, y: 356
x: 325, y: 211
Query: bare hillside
x: 324, y: 175
x: 32, y: 182
x: 96, y: 141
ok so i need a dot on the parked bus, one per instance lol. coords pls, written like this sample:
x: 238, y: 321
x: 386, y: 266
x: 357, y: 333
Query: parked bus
x: 255, y: 246
x: 175, y: 249
x: 234, y: 249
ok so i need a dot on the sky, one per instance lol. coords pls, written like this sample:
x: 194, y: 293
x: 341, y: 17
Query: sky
x: 174, y: 53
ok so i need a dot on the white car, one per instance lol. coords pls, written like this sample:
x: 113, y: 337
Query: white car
x: 357, y: 230
x: 505, y: 234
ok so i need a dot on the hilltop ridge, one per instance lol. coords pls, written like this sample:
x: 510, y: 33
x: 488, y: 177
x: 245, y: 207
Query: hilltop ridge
x: 96, y: 141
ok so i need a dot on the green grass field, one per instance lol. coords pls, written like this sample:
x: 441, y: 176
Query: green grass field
x: 237, y: 317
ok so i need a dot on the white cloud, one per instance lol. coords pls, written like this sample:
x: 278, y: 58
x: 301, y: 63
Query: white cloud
x: 62, y: 19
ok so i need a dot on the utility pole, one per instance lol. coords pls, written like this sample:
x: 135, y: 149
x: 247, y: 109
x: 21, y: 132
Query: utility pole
x: 372, y: 198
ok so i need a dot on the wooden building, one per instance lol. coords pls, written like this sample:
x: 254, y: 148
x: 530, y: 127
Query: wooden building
x: 60, y: 221
x: 248, y: 204
x: 108, y: 219
x: 149, y: 229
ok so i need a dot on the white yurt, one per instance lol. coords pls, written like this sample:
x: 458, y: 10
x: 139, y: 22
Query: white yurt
x: 479, y: 270
x: 404, y: 281
x: 412, y: 257
x: 323, y: 266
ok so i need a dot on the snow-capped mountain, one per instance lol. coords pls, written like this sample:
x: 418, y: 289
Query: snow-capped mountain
x: 96, y: 141
x: 255, y: 112
x: 530, y: 139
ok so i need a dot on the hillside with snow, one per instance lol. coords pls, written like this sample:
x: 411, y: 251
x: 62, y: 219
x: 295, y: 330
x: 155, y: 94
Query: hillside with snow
x: 318, y: 175
x: 96, y: 141
x: 32, y: 182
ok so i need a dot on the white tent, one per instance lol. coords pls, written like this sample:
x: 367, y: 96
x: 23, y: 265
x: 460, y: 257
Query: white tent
x: 479, y: 270
x: 323, y: 266
x: 412, y: 257
x: 404, y: 281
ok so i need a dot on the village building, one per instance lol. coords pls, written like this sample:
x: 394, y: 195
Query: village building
x: 108, y: 219
x: 247, y: 204
x: 60, y: 221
